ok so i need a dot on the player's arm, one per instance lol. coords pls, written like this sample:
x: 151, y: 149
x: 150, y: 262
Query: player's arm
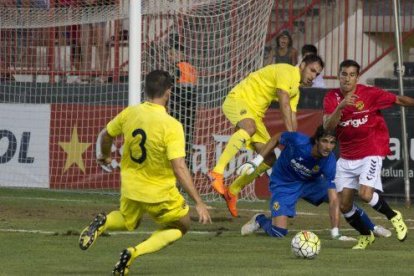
x: 331, y: 121
x: 249, y: 167
x: 334, y: 212
x: 286, y: 110
x: 405, y: 101
x: 103, y: 149
x: 184, y: 178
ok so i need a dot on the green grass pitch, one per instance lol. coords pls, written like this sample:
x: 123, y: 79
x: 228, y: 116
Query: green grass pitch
x: 39, y: 236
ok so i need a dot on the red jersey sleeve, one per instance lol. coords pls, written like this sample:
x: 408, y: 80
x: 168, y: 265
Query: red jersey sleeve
x: 384, y: 99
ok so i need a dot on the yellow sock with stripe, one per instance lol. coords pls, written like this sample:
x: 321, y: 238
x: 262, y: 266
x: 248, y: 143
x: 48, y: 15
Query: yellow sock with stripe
x: 244, y: 180
x: 114, y: 221
x: 237, y: 141
x: 158, y: 240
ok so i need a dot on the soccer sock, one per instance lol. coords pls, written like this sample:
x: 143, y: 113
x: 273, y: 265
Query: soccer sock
x: 114, y: 221
x: 273, y: 231
x: 158, y: 240
x: 354, y: 219
x: 245, y: 179
x: 364, y: 217
x: 236, y: 142
x: 379, y: 204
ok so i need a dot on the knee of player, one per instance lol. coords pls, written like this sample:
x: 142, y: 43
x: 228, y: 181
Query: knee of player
x: 249, y: 125
x: 345, y: 207
x: 365, y: 195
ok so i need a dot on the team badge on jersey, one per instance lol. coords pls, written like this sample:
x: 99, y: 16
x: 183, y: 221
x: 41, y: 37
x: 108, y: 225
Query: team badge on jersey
x: 276, y: 206
x: 315, y: 169
x: 243, y: 111
x: 359, y: 105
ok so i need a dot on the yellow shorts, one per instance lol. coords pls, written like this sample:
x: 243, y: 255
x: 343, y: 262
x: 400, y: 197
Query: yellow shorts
x: 236, y: 110
x: 164, y: 212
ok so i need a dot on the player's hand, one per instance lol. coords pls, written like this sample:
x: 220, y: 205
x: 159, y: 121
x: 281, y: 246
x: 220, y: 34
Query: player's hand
x: 104, y: 162
x: 246, y: 168
x: 203, y: 214
x: 349, y: 100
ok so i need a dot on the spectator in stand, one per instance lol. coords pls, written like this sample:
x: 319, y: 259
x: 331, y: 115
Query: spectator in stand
x: 184, y: 96
x: 309, y: 49
x: 284, y: 51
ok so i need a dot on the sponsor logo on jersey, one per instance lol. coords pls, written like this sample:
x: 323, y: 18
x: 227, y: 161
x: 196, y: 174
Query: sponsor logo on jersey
x: 276, y: 206
x: 355, y: 122
x: 359, y: 105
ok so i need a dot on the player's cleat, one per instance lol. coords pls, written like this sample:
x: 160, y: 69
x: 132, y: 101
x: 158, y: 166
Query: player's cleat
x: 90, y: 233
x: 122, y: 266
x: 364, y: 241
x: 217, y: 181
x: 399, y: 226
x: 380, y: 231
x: 251, y: 226
x: 231, y: 201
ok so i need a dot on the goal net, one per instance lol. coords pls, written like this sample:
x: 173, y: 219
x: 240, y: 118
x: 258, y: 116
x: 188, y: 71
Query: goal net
x: 64, y: 75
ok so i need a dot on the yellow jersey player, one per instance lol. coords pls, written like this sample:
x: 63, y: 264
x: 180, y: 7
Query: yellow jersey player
x: 152, y: 161
x: 245, y: 107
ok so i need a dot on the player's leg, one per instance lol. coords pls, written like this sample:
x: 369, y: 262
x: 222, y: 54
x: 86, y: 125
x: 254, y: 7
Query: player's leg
x: 258, y: 140
x: 370, y: 181
x: 113, y: 221
x: 238, y: 113
x: 282, y: 206
x: 175, y: 220
x: 379, y: 231
x: 346, y: 181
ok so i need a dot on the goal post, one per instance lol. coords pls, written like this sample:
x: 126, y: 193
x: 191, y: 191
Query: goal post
x: 64, y: 75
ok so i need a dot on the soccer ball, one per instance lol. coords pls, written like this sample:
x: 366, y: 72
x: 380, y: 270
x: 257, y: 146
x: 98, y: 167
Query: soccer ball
x: 306, y: 244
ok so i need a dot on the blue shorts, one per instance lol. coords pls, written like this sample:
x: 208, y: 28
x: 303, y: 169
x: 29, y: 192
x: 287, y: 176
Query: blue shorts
x: 286, y: 195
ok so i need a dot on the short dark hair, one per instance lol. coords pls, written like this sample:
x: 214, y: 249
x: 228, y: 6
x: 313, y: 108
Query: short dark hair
x: 309, y: 49
x: 156, y: 83
x: 322, y: 132
x: 286, y: 33
x: 349, y: 63
x: 313, y: 58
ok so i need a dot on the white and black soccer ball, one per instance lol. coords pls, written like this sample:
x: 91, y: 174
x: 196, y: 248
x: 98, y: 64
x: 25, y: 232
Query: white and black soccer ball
x: 306, y: 244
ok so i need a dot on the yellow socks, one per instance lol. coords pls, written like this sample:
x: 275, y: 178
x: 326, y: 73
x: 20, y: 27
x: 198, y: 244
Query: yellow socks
x: 237, y: 141
x: 114, y: 221
x: 244, y: 180
x: 158, y: 240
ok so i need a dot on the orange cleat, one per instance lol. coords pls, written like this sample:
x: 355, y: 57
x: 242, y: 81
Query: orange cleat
x: 231, y: 201
x: 217, y: 181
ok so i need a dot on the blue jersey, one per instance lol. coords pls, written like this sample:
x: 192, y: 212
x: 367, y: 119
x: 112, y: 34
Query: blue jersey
x: 296, y: 163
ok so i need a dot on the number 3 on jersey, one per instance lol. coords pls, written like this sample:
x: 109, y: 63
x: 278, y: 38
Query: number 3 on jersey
x: 138, y: 152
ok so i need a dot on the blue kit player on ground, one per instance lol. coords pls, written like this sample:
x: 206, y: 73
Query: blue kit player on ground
x: 305, y: 169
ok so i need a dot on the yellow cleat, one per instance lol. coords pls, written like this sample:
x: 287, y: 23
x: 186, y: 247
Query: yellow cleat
x: 364, y: 241
x: 121, y: 268
x: 399, y: 226
x: 90, y: 234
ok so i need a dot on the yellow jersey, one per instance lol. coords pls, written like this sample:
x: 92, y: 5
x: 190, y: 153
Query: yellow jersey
x: 151, y: 139
x: 258, y: 89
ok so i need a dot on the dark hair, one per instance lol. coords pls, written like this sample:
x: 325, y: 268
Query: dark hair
x: 349, y: 63
x: 156, y: 83
x: 321, y: 132
x: 309, y: 49
x: 286, y: 33
x: 313, y: 58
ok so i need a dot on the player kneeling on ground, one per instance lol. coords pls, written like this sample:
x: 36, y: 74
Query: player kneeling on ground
x: 305, y: 169
x: 152, y: 159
